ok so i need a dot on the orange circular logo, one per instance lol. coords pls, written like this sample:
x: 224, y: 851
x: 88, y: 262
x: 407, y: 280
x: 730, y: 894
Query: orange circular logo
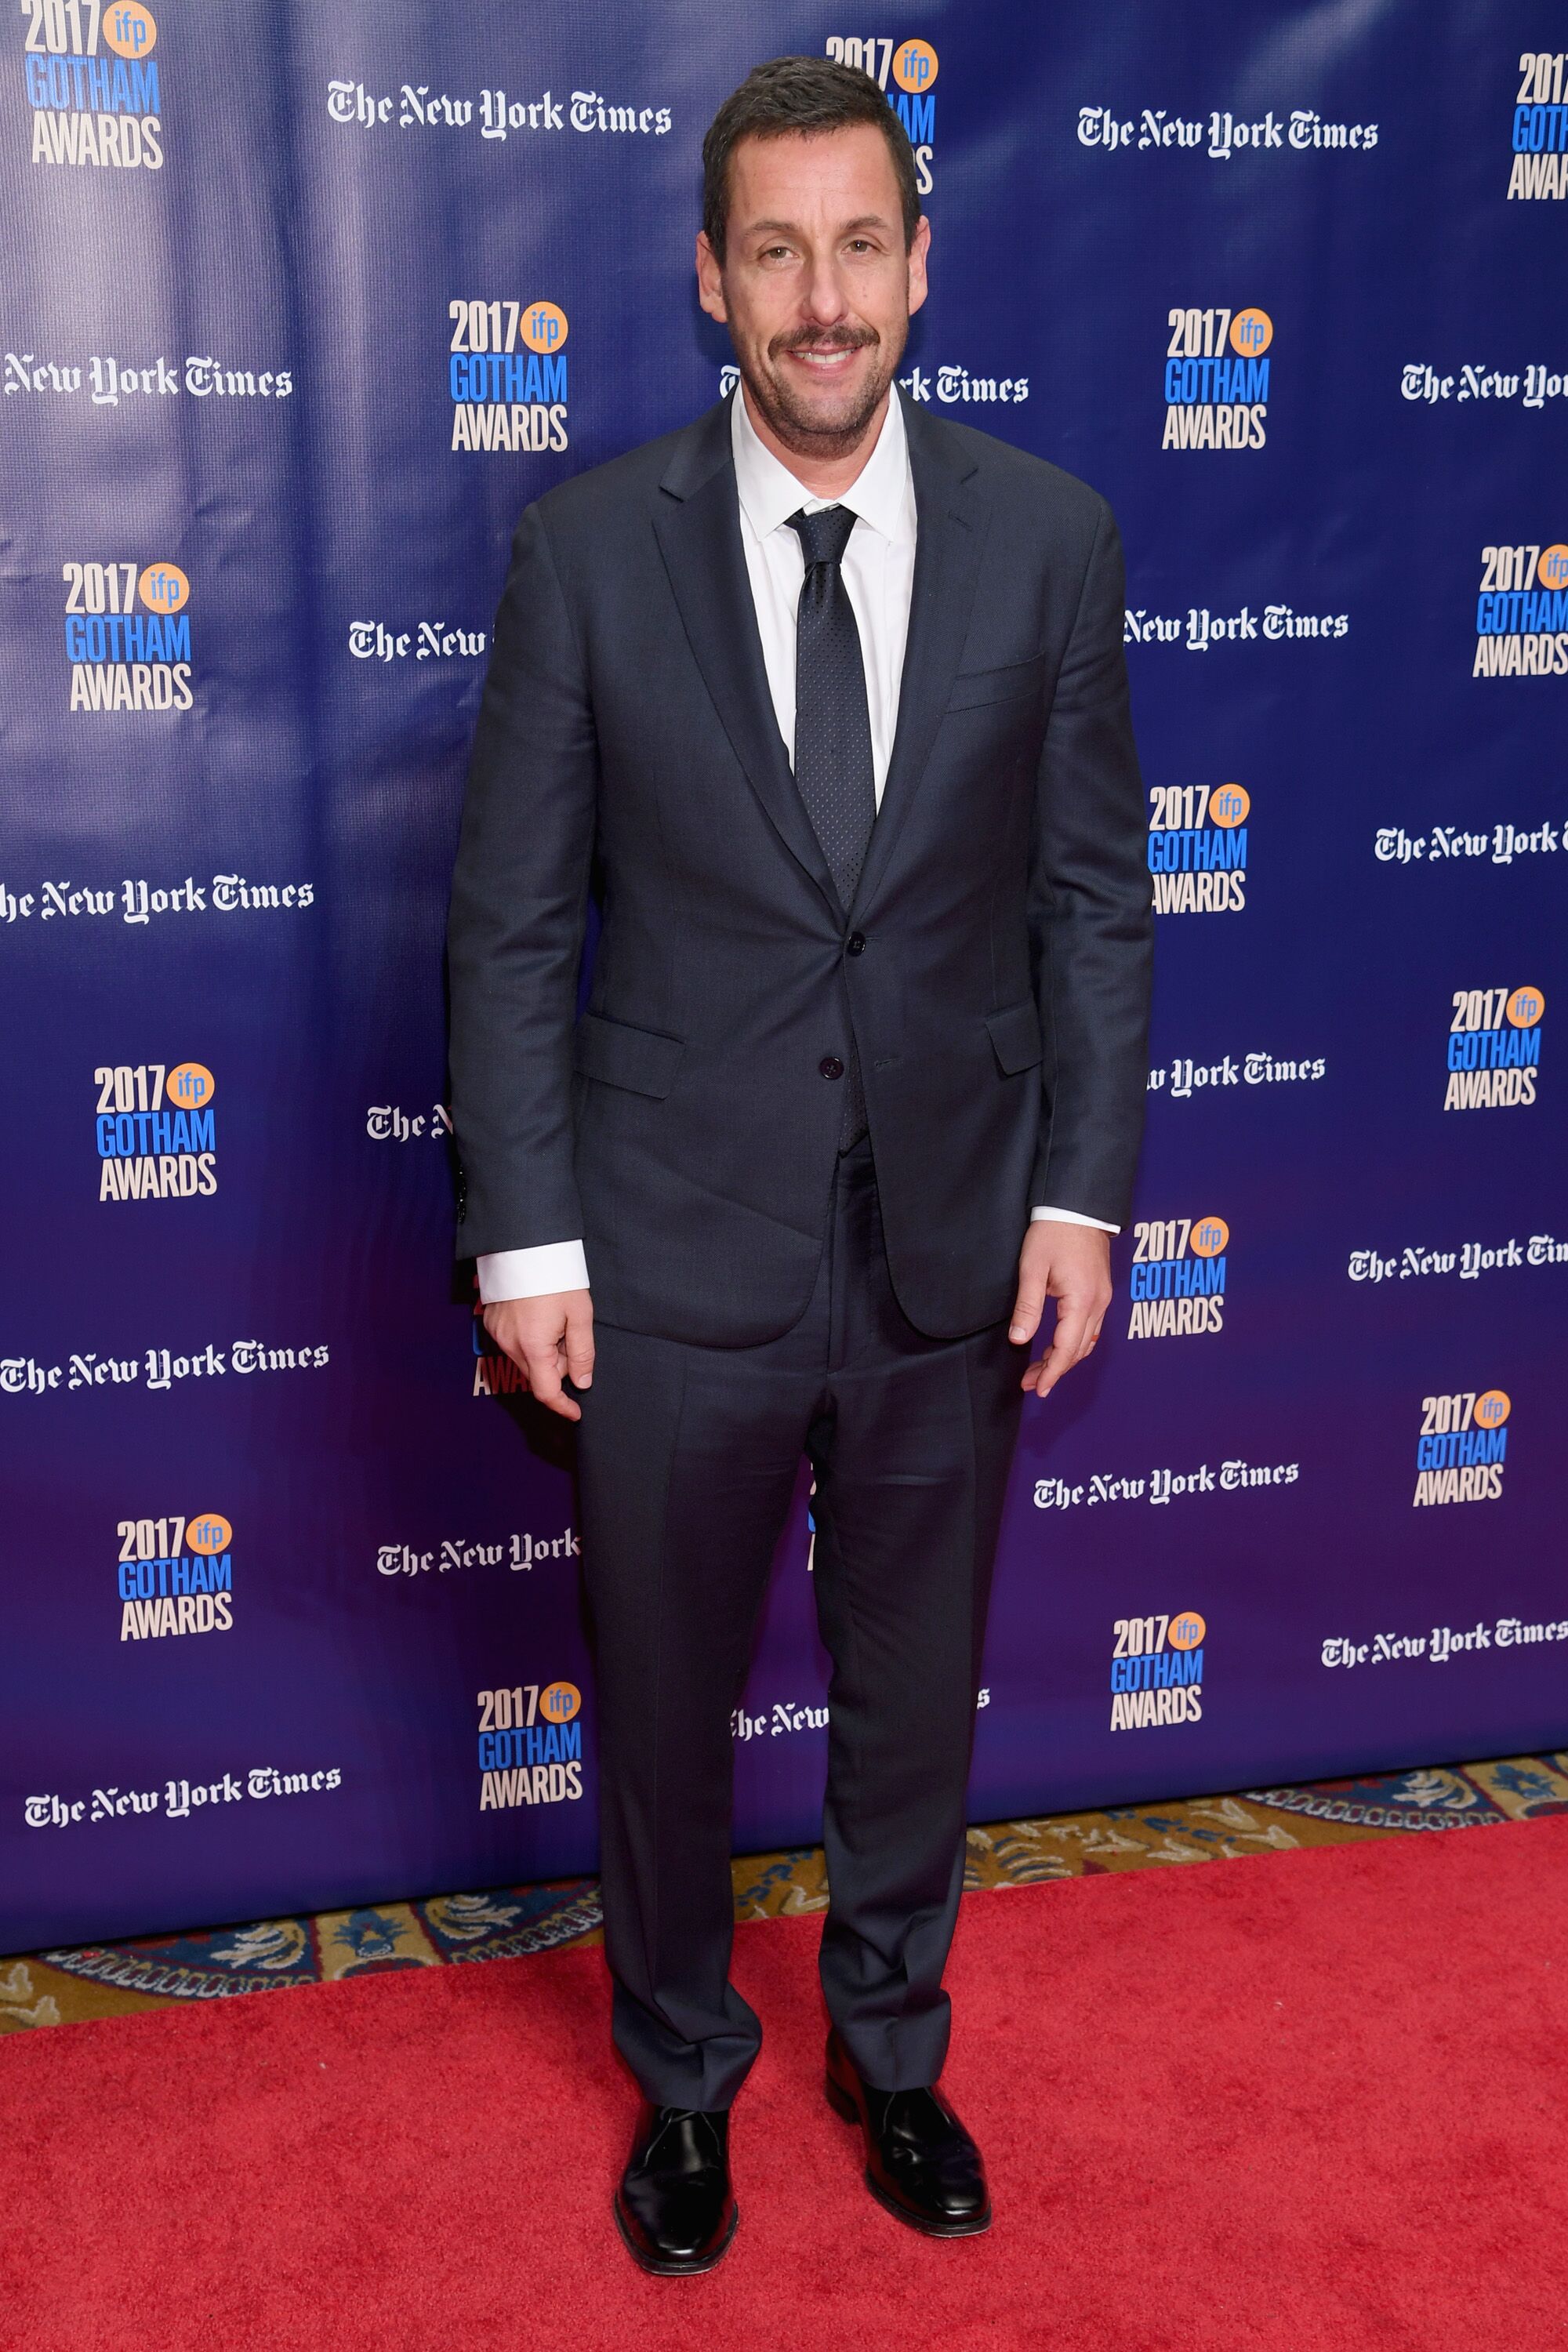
x: 1492, y: 1409
x: 544, y: 326
x: 1552, y: 569
x: 1525, y: 1007
x: 914, y: 65
x: 1251, y: 332
x: 560, y: 1702
x: 1186, y: 1630
x: 209, y: 1531
x: 163, y: 587
x: 1228, y: 804
x: 1209, y: 1236
x: 130, y: 29
x: 192, y: 1086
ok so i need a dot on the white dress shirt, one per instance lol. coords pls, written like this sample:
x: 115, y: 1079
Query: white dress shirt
x: 878, y: 569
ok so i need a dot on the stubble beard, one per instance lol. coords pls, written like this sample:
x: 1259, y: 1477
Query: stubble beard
x: 802, y: 430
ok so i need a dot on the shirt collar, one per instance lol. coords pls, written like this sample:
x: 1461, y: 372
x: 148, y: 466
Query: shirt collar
x: 882, y: 494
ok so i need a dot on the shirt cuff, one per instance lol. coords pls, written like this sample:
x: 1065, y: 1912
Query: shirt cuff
x: 531, y: 1273
x: 1040, y: 1216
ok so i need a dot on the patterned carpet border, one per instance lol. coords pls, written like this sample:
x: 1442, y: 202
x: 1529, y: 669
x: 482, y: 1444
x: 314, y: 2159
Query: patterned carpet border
x: 58, y: 1988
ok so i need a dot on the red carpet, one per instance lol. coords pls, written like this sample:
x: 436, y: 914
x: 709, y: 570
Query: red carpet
x: 1309, y: 2102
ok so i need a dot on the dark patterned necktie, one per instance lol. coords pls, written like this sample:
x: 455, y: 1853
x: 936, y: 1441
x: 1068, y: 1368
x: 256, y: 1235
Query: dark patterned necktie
x: 833, y: 768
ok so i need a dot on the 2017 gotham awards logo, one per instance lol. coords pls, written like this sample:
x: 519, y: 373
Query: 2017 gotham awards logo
x: 1197, y: 848
x: 175, y: 1576
x: 507, y: 375
x: 1462, y: 1448
x: 1540, y: 166
x: 91, y: 104
x: 1157, y: 1671
x: 1216, y: 379
x: 1494, y: 1048
x: 128, y: 636
x: 530, y: 1745
x: 912, y: 66
x: 1176, y: 1280
x: 156, y: 1138
x: 1522, y: 613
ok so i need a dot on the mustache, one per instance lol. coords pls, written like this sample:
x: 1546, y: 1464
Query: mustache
x: 823, y: 339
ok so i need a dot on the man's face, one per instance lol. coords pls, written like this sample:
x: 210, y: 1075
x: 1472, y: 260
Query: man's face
x: 817, y: 286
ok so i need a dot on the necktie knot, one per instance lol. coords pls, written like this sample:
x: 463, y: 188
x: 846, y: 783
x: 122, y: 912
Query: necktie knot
x: 825, y: 535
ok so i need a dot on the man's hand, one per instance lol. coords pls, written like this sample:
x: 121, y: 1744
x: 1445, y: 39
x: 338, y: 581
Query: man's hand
x: 549, y: 1340
x: 1071, y: 1264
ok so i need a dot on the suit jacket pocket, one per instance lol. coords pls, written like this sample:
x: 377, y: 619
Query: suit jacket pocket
x: 973, y: 687
x: 1016, y: 1037
x: 640, y: 1060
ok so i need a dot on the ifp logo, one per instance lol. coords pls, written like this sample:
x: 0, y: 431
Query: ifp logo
x: 128, y: 635
x: 1540, y: 167
x: 530, y: 1745
x: 507, y: 374
x: 1216, y: 378
x: 1494, y: 1048
x: 1157, y: 1671
x: 1197, y: 848
x: 157, y: 1139
x: 1461, y: 1450
x: 1176, y: 1281
x: 130, y: 29
x: 911, y: 65
x: 176, y: 1575
x: 92, y: 83
x: 1521, y: 612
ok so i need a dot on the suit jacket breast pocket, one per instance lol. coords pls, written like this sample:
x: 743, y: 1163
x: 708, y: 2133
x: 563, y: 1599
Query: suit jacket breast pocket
x: 972, y: 688
x: 639, y: 1060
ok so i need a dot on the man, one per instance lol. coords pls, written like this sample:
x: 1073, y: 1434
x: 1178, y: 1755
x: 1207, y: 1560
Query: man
x: 830, y: 693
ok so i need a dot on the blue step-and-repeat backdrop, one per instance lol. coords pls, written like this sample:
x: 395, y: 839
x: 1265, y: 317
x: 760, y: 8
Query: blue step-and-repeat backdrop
x: 302, y: 305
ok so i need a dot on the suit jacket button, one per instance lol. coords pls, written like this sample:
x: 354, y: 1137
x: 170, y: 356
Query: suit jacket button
x: 831, y: 1067
x: 855, y: 944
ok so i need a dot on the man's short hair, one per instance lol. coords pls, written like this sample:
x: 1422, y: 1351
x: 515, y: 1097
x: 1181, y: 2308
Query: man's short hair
x: 799, y: 94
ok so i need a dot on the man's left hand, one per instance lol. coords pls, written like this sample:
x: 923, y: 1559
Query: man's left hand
x: 1071, y: 1264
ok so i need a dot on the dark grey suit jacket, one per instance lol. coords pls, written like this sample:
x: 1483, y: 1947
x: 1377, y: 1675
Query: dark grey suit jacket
x: 993, y: 969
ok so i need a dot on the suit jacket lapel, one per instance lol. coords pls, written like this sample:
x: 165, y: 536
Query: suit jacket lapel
x: 699, y: 532
x: 950, y: 535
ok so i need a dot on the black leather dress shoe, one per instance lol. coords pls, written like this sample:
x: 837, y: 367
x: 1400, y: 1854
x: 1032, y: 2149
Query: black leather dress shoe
x: 675, y: 2207
x: 921, y: 2163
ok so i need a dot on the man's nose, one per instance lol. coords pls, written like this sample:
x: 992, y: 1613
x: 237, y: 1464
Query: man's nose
x: 825, y: 299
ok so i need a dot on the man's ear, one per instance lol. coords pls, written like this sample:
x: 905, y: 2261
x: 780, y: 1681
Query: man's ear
x: 920, y: 246
x: 710, y: 280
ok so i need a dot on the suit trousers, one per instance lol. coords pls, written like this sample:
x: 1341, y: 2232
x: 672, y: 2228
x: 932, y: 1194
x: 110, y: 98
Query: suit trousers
x: 688, y: 1460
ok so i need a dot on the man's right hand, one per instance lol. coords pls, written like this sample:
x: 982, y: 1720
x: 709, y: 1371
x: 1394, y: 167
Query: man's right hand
x: 549, y: 1340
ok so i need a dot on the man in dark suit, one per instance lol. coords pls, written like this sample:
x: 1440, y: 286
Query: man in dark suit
x: 830, y: 694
